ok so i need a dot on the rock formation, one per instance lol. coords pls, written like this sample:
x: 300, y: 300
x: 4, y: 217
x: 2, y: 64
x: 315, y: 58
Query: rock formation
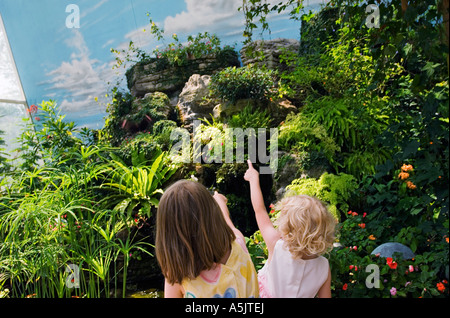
x: 193, y: 102
x: 158, y: 76
x: 268, y: 52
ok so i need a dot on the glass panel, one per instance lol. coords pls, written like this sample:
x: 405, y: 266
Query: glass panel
x: 12, y: 125
x: 10, y: 88
x: 12, y: 100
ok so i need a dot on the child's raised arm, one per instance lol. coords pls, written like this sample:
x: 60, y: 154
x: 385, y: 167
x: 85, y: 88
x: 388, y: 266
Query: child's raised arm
x: 268, y: 232
x: 222, y: 202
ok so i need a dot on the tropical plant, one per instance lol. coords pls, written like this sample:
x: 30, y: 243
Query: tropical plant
x: 250, y: 117
x: 134, y: 190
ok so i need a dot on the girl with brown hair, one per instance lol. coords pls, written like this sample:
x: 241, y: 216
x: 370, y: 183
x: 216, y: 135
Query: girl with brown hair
x: 200, y: 252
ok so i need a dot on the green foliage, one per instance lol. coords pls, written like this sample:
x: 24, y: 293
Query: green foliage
x: 418, y: 277
x: 162, y: 131
x: 128, y: 116
x: 4, y: 165
x: 250, y: 118
x: 335, y: 190
x: 203, y: 44
x: 55, y: 215
x: 251, y: 82
x: 135, y: 190
x: 59, y: 222
x: 297, y: 133
x: 48, y: 137
x: 344, y: 130
x: 176, y: 56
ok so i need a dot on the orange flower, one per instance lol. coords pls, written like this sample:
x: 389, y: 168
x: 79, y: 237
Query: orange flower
x: 410, y: 185
x: 440, y: 287
x: 403, y: 175
x: 406, y: 168
x: 372, y: 238
x: 362, y: 225
x: 446, y: 239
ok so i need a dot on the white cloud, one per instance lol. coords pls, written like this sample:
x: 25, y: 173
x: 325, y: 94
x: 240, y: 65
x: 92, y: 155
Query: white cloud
x: 92, y: 9
x: 81, y: 78
x: 211, y: 15
x: 108, y: 43
x: 214, y: 16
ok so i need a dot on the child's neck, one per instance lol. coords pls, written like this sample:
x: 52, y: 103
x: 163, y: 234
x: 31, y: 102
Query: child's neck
x: 307, y: 257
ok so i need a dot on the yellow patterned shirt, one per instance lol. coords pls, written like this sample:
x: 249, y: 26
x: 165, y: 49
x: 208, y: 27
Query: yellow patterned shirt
x: 236, y: 278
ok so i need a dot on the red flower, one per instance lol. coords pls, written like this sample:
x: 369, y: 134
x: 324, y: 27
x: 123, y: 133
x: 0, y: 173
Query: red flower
x: 345, y: 286
x: 392, y: 264
x: 362, y: 225
x: 440, y: 287
x: 351, y: 266
x: 33, y: 109
x: 364, y: 214
x: 37, y: 119
x: 272, y: 208
x: 354, y: 213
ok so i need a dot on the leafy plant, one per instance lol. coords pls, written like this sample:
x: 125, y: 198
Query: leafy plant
x: 250, y: 118
x: 417, y: 277
x: 232, y: 84
x: 135, y: 189
x: 336, y: 190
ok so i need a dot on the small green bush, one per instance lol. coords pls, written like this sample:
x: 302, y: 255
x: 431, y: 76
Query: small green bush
x: 421, y: 276
x: 335, y: 190
x: 344, y: 130
x: 250, y: 82
x: 250, y: 118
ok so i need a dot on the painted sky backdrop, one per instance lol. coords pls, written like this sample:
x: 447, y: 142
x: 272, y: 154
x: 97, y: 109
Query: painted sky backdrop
x: 75, y: 65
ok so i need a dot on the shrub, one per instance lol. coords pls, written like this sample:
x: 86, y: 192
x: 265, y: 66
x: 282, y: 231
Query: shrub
x: 251, y: 82
x: 250, y: 118
x: 129, y: 116
x: 297, y: 134
x: 344, y: 130
x: 138, y: 150
x: 421, y: 276
x: 162, y: 131
x: 335, y: 190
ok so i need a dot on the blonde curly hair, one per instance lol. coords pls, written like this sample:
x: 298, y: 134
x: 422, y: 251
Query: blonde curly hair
x: 306, y: 225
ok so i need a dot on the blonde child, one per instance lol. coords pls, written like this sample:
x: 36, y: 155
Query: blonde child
x: 200, y: 252
x: 295, y: 267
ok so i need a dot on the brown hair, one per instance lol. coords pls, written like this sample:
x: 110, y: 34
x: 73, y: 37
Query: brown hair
x: 306, y: 225
x: 191, y: 232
